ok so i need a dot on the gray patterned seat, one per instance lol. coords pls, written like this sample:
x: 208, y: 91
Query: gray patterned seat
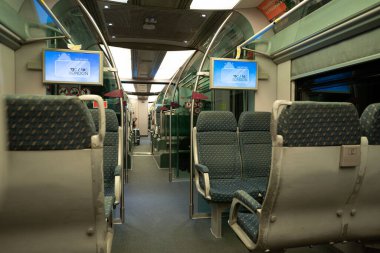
x: 366, y: 222
x: 51, y: 123
x: 111, y: 166
x: 54, y: 186
x: 307, y: 140
x: 256, y: 148
x: 218, y: 163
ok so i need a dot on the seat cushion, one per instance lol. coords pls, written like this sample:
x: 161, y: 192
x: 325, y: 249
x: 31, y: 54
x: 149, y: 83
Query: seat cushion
x: 249, y: 223
x: 222, y: 190
x: 261, y: 184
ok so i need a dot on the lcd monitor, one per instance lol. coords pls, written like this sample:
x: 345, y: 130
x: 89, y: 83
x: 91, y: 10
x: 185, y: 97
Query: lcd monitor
x: 72, y: 67
x: 233, y: 74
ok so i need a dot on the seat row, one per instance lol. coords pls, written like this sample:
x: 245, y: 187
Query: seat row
x: 229, y: 156
x: 323, y: 181
x: 57, y: 191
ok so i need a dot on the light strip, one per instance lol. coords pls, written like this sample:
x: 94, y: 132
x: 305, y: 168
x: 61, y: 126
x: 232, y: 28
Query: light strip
x: 119, y: 1
x: 173, y: 60
x: 152, y: 99
x: 129, y: 87
x: 213, y: 4
x: 156, y: 87
x: 122, y: 57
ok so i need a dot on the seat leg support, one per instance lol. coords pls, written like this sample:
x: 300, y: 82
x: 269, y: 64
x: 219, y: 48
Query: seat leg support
x: 216, y: 218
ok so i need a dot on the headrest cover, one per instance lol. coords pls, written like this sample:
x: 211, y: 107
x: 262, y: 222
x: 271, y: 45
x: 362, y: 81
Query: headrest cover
x: 48, y: 123
x: 305, y: 124
x: 254, y: 121
x: 211, y: 121
x: 112, y: 124
x: 370, y: 123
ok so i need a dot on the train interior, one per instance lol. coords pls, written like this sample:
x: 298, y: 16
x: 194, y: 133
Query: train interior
x: 138, y: 126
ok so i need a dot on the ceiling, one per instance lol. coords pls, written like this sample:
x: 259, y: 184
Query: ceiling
x: 152, y: 27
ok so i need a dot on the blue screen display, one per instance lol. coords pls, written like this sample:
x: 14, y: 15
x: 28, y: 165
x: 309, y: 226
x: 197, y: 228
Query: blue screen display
x: 76, y: 67
x: 233, y: 74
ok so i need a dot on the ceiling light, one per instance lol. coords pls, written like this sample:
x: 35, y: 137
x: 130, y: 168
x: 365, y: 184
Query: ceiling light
x: 119, y: 1
x: 133, y: 97
x: 106, y: 7
x: 156, y: 87
x: 122, y: 57
x: 213, y: 4
x: 152, y: 99
x: 113, y: 36
x: 173, y: 60
x: 129, y: 87
x: 185, y: 41
x: 110, y: 24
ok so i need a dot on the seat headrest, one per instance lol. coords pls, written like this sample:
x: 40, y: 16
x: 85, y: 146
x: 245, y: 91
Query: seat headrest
x: 48, y: 123
x: 254, y: 121
x: 209, y: 121
x: 112, y: 124
x: 305, y: 124
x: 370, y: 123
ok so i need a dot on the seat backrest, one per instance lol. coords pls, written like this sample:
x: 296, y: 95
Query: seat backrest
x: 365, y: 222
x: 309, y: 194
x: 110, y: 148
x: 255, y: 143
x: 217, y: 144
x: 55, y: 187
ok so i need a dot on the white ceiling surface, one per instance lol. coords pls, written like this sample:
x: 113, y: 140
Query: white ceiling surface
x: 122, y: 57
x: 172, y: 62
x: 213, y: 4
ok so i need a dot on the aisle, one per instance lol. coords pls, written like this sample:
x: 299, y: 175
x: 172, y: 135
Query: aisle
x: 157, y: 217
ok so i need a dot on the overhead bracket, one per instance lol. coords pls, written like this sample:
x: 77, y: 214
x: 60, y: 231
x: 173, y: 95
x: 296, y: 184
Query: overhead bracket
x: 203, y: 73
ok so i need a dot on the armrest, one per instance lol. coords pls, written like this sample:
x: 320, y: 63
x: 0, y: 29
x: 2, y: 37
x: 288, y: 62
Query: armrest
x: 203, y: 170
x: 241, y: 198
x: 247, y: 201
x: 117, y: 171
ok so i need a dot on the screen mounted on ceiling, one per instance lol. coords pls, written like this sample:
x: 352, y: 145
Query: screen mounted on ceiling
x: 72, y: 67
x: 233, y: 74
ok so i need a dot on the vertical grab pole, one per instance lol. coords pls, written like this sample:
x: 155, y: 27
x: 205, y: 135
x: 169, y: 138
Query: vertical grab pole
x: 191, y: 206
x: 170, y: 128
x: 112, y: 61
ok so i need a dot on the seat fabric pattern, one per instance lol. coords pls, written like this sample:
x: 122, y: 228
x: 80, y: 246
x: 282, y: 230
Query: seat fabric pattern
x: 249, y: 222
x: 217, y: 143
x: 219, y: 151
x: 110, y: 149
x: 323, y: 124
x: 48, y: 123
x: 255, y: 143
x: 370, y: 123
x: 254, y: 121
x: 218, y: 121
x: 112, y: 123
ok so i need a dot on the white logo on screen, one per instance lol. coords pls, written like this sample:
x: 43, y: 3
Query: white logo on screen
x: 230, y: 74
x: 66, y: 67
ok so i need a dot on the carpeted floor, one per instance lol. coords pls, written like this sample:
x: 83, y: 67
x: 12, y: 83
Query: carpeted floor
x: 144, y: 147
x: 157, y: 217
